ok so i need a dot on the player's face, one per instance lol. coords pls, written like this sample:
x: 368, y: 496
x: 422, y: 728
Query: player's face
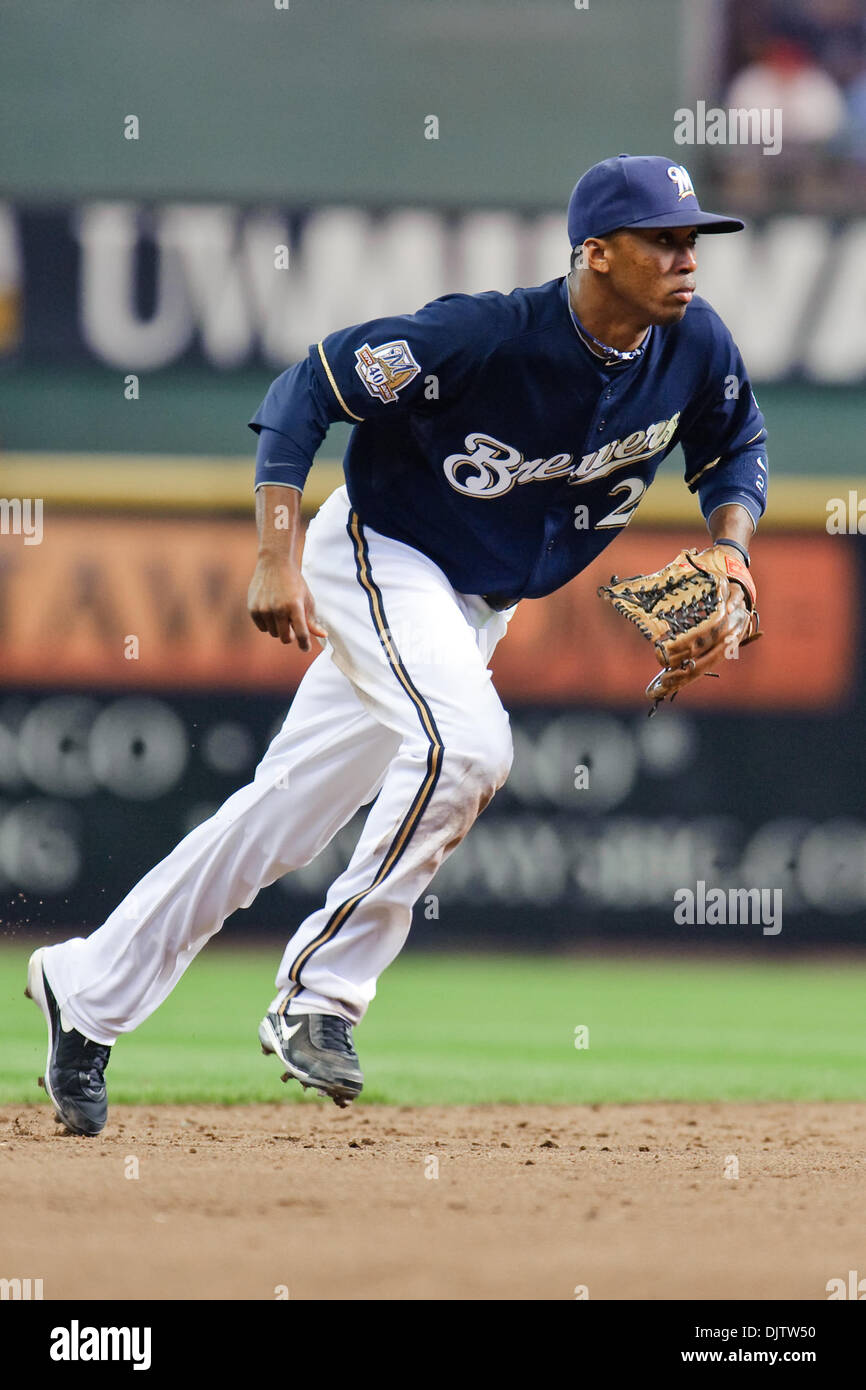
x: 652, y: 270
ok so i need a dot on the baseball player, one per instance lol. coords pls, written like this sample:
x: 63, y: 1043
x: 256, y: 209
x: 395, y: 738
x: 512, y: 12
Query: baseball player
x: 500, y: 442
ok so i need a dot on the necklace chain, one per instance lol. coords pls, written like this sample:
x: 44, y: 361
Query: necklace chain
x: 608, y: 351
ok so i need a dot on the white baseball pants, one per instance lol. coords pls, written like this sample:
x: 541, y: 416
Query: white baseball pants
x: 400, y: 706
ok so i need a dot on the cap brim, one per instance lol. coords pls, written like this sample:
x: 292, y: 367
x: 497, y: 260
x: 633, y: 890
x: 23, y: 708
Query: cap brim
x: 708, y: 221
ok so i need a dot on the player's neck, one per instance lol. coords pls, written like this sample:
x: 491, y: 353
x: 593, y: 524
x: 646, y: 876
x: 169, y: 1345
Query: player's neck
x: 611, y: 324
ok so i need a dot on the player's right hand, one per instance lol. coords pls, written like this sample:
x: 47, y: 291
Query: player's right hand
x: 280, y: 602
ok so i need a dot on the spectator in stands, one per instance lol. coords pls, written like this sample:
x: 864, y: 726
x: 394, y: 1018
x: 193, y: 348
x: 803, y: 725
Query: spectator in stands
x: 786, y: 77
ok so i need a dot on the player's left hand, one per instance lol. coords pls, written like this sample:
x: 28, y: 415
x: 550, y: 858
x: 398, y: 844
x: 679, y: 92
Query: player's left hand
x: 697, y: 610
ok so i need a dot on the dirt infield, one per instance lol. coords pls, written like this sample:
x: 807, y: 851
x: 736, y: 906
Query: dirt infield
x: 529, y: 1202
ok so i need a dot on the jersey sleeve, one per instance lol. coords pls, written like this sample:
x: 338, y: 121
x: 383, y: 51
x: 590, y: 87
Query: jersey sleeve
x: 291, y: 423
x: 724, y: 438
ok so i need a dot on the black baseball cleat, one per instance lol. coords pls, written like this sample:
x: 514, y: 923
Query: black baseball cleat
x: 317, y: 1050
x: 74, y: 1069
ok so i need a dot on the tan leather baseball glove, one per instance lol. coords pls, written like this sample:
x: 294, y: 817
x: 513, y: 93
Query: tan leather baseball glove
x: 697, y: 610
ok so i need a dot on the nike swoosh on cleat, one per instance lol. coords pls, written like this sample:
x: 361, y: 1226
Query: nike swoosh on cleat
x: 290, y: 1032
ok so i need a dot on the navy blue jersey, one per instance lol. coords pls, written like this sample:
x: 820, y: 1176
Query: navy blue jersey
x: 490, y: 437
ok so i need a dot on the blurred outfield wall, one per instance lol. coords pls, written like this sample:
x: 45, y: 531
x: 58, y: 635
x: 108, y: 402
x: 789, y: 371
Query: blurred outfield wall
x: 327, y: 98
x: 135, y: 696
x: 203, y: 305
x: 154, y: 259
x: 306, y: 127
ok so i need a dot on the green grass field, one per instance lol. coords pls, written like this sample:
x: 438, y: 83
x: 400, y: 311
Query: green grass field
x: 467, y: 1029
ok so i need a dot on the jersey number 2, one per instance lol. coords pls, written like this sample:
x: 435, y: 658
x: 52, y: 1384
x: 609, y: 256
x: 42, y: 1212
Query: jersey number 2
x: 623, y: 512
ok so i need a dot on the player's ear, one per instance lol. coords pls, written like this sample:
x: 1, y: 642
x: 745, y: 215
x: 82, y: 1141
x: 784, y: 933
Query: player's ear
x: 595, y: 255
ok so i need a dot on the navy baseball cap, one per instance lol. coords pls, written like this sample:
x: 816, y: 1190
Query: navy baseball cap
x: 638, y: 190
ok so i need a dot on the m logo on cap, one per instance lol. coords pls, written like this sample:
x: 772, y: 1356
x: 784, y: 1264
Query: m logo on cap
x: 682, y: 179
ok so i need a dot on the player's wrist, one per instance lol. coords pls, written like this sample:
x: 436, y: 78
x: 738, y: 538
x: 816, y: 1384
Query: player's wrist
x: 278, y: 553
x: 735, y: 545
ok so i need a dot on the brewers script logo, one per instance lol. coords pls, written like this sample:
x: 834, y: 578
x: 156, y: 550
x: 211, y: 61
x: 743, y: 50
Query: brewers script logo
x: 682, y: 178
x: 490, y: 468
x: 386, y: 369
